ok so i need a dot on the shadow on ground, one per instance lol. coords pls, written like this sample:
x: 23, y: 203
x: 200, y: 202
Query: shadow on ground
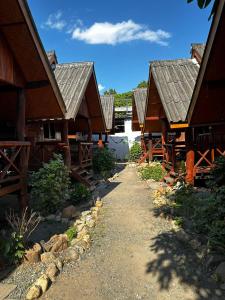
x: 177, y: 259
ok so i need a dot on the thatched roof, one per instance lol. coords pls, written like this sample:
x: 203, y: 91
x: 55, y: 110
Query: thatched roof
x: 107, y: 102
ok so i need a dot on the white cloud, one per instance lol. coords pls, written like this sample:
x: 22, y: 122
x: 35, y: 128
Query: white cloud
x: 112, y: 34
x: 101, y: 87
x: 55, y: 21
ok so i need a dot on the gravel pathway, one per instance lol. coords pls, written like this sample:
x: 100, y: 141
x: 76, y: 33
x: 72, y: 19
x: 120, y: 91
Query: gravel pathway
x: 134, y: 255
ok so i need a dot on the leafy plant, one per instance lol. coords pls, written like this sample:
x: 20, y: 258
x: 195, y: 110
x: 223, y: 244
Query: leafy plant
x: 79, y: 192
x: 103, y: 162
x: 153, y: 171
x: 135, y: 151
x: 179, y: 221
x: 71, y: 233
x: 50, y: 186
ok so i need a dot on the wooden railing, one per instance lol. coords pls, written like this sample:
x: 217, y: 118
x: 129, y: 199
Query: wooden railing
x: 171, y: 153
x: 14, y: 156
x: 85, y: 153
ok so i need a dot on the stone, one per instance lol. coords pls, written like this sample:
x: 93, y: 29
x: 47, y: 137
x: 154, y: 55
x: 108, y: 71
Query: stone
x: 33, y: 255
x: 195, y: 244
x: 80, y: 227
x: 52, y: 271
x: 220, y: 272
x: 58, y: 218
x: 86, y: 238
x: 71, y: 254
x: 222, y: 286
x: 90, y: 223
x: 82, y: 244
x: 47, y: 257
x: 85, y: 213
x: 57, y: 243
x: 82, y: 233
x: 59, y: 264
x: 182, y: 235
x: 50, y: 218
x: 95, y: 214
x: 65, y: 221
x: 213, y: 260
x: 43, y: 283
x: 99, y: 203
x: 34, y: 292
x: 69, y: 212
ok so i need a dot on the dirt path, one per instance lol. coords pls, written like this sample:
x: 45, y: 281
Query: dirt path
x: 134, y: 254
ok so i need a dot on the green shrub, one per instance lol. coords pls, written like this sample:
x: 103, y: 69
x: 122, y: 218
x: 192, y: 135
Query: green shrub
x: 71, y: 233
x: 50, y: 186
x: 103, y: 162
x: 154, y: 171
x: 12, y: 248
x: 218, y: 173
x: 135, y: 151
x: 79, y: 193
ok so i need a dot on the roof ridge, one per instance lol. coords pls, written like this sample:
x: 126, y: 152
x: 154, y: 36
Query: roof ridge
x: 87, y: 63
x: 171, y: 61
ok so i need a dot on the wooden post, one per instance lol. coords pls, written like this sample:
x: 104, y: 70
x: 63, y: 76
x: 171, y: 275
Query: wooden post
x: 150, y: 147
x: 20, y: 131
x: 164, y: 139
x: 67, y: 158
x: 89, y: 131
x: 190, y: 157
x: 106, y: 138
x: 100, y: 143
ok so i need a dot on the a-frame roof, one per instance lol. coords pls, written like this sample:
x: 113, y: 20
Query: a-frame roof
x: 107, y: 102
x: 19, y: 33
x: 207, y: 104
x: 140, y: 98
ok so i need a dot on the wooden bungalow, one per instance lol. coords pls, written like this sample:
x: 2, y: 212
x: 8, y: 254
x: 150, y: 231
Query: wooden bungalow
x: 71, y: 136
x: 28, y: 91
x: 171, y: 85
x: 151, y: 144
x: 206, y: 114
x: 107, y: 102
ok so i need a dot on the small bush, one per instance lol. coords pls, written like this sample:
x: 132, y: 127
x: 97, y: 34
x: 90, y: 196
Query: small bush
x: 135, y: 151
x: 153, y: 171
x: 79, y: 193
x: 71, y: 233
x: 50, y: 186
x: 103, y: 162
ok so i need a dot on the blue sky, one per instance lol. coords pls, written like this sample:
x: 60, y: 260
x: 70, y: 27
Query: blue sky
x: 120, y: 36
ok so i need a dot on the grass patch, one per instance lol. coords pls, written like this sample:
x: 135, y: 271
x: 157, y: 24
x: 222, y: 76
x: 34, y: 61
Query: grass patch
x: 153, y: 171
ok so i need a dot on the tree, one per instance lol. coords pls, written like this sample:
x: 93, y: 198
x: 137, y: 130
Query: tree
x: 204, y: 3
x: 110, y: 92
x: 142, y: 84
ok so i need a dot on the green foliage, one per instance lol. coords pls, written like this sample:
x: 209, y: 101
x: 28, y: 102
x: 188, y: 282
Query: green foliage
x: 123, y: 99
x: 71, y: 233
x: 218, y: 173
x: 142, y: 84
x: 50, y: 186
x: 153, y: 171
x: 135, y: 151
x: 79, y: 192
x: 103, y: 162
x: 179, y: 221
x: 110, y: 92
x: 13, y: 248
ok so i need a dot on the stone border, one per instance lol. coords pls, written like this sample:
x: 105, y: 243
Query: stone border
x: 55, y: 260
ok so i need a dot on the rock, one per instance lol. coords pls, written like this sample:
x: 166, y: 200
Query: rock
x: 182, y: 235
x: 47, y: 257
x: 57, y: 243
x: 90, y: 222
x: 85, y: 213
x: 59, y: 264
x: 82, y: 244
x: 222, y: 286
x: 58, y: 218
x: 43, y: 283
x: 71, y: 254
x: 195, y: 244
x: 52, y: 271
x: 65, y: 221
x: 213, y: 260
x: 69, y: 212
x: 82, y: 233
x: 99, y: 203
x: 34, y: 292
x: 33, y: 255
x: 86, y: 238
x: 95, y: 214
x: 220, y: 272
x: 80, y: 227
x: 50, y: 218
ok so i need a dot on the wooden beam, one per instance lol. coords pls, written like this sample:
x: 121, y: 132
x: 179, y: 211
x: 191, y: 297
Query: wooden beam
x: 152, y: 118
x: 65, y: 140
x: 36, y: 84
x: 179, y: 125
x: 21, y: 107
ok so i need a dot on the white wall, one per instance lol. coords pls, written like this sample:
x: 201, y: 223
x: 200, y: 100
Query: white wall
x: 121, y: 142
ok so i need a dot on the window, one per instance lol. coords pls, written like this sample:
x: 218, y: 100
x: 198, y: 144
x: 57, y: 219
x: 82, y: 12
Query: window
x: 49, y: 131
